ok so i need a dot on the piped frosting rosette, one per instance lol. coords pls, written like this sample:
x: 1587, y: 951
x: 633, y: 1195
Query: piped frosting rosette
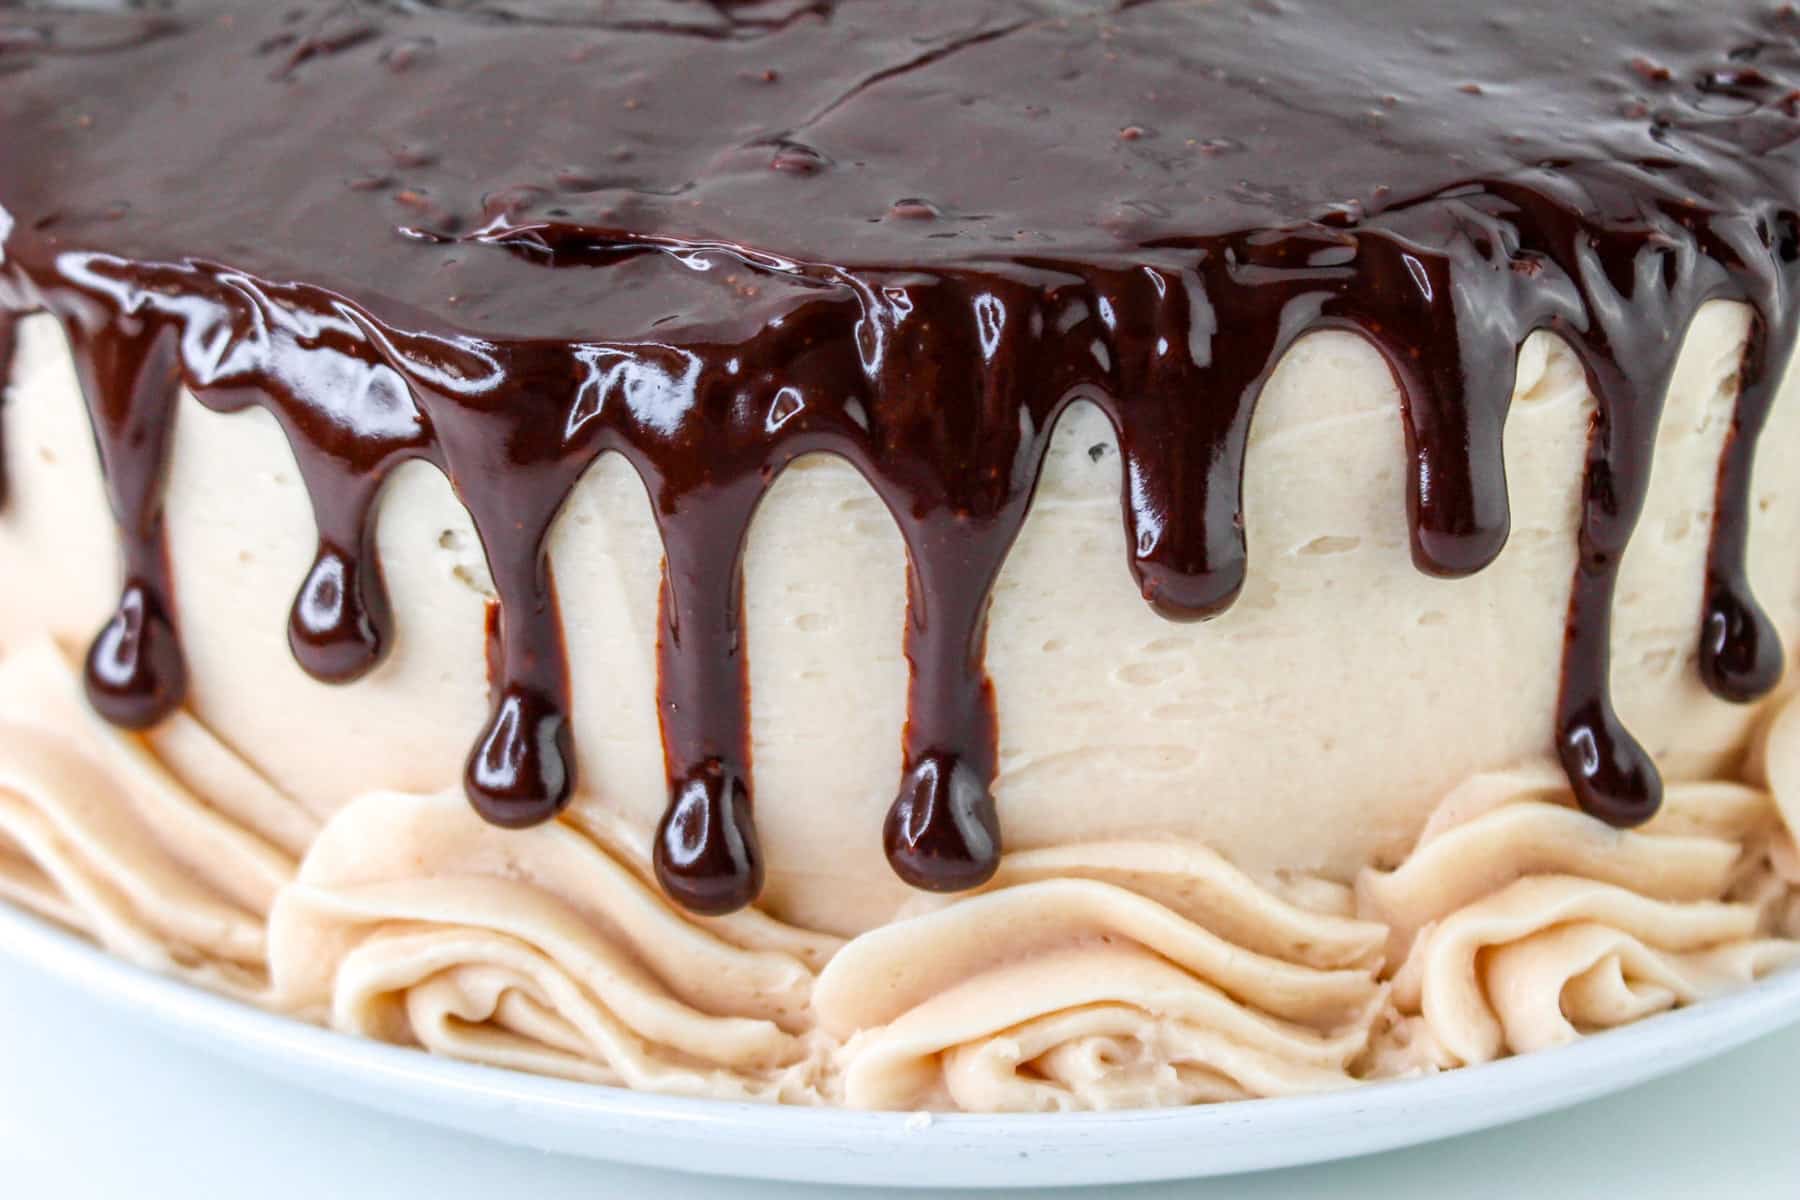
x: 415, y: 922
x: 1116, y: 975
x: 166, y: 847
x: 1518, y: 923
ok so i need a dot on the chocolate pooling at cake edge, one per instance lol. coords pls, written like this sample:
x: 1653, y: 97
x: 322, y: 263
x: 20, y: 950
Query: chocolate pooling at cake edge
x: 939, y: 376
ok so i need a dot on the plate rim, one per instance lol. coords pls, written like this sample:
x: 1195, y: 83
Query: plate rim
x: 898, y: 1149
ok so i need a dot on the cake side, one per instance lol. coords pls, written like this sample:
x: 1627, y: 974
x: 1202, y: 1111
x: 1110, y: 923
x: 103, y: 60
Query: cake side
x: 1312, y: 728
x: 1154, y: 955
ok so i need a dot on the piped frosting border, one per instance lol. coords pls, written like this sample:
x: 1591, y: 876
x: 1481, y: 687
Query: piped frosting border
x: 1107, y: 975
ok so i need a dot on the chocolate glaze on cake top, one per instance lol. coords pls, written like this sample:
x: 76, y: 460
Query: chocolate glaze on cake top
x: 508, y: 238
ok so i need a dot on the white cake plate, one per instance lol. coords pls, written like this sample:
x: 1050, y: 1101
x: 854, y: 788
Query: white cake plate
x: 828, y: 1146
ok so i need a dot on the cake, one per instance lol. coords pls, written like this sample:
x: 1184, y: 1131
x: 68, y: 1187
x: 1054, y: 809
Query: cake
x: 904, y: 554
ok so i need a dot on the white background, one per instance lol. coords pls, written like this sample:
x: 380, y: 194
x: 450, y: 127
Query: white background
x: 94, y: 1106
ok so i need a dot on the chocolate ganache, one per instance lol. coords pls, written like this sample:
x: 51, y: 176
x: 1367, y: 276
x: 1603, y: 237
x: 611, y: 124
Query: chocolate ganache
x: 507, y: 238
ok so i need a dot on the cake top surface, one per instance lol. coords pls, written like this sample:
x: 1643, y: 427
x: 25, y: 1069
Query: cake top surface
x: 362, y: 146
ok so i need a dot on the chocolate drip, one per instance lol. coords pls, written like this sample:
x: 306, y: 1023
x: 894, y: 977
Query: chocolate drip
x: 1740, y: 652
x: 1639, y: 295
x: 1186, y: 387
x: 348, y: 423
x: 8, y: 344
x: 522, y: 769
x: 129, y: 371
x: 960, y: 379
x: 1182, y: 412
x: 908, y: 234
x: 706, y: 852
x: 1455, y: 384
x: 341, y: 623
x: 942, y: 832
x: 1613, y: 776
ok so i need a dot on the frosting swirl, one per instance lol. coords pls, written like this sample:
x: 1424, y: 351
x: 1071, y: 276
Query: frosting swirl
x: 1517, y: 923
x: 114, y: 834
x: 537, y: 949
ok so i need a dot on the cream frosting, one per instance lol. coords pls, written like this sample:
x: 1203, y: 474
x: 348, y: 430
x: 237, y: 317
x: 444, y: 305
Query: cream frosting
x: 1091, y: 976
x: 120, y: 837
x: 1517, y: 922
x: 539, y: 950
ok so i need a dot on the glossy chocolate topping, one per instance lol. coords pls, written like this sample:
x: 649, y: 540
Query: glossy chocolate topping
x: 507, y: 238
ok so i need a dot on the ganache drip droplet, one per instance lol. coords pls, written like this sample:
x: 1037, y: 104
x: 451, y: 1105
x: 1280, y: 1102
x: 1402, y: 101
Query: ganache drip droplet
x: 1741, y: 657
x: 513, y: 480
x: 970, y: 432
x: 707, y: 855
x: 1612, y: 775
x: 519, y: 773
x: 522, y: 769
x: 341, y: 622
x: 135, y: 675
x: 942, y: 833
x: 337, y: 628
x: 347, y: 429
x: 1188, y: 567
x: 1183, y: 432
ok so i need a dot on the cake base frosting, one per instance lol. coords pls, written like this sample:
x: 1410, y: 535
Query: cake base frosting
x: 1096, y: 975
